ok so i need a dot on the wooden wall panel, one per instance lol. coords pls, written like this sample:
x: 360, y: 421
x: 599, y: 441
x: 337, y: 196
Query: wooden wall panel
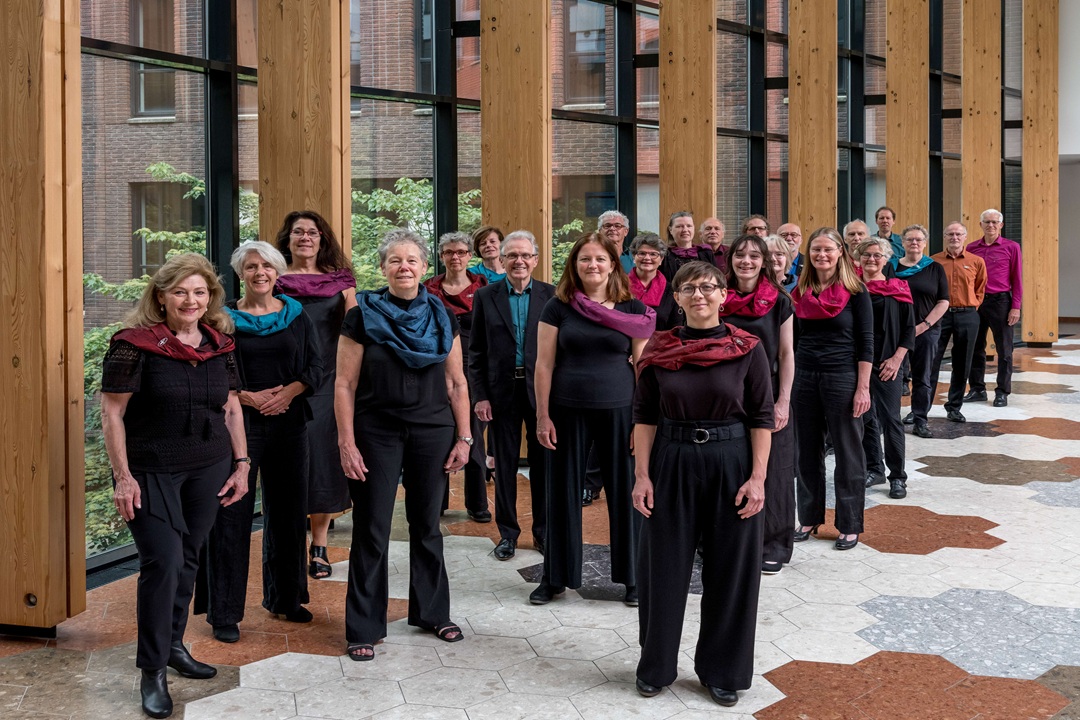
x: 687, y: 108
x: 980, y: 150
x: 812, y: 89
x: 515, y: 119
x: 1040, y: 195
x: 907, y: 103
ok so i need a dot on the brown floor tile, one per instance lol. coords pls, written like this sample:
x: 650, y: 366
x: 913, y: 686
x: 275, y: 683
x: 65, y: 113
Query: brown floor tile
x: 252, y: 647
x: 917, y: 531
x: 1064, y: 679
x: 912, y: 705
x: 1072, y: 465
x: 1021, y: 387
x: 326, y: 639
x: 1053, y: 428
x: 923, y: 673
x: 1007, y: 699
x: 44, y: 665
x: 993, y: 469
x: 122, y: 590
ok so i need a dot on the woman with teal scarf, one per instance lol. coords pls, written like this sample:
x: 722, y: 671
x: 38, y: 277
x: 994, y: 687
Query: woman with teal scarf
x: 280, y: 363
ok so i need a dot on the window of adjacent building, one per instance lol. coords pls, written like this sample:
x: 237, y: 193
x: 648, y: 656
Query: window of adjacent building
x: 585, y: 44
x: 155, y: 208
x: 153, y: 88
x: 424, y: 30
x: 648, y: 43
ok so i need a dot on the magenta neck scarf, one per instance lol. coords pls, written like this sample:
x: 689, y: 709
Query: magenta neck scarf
x: 320, y: 285
x: 651, y: 295
x: 829, y: 303
x: 635, y: 326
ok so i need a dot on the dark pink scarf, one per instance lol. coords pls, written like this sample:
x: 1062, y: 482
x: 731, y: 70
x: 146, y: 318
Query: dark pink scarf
x: 651, y: 295
x: 827, y: 304
x: 635, y: 326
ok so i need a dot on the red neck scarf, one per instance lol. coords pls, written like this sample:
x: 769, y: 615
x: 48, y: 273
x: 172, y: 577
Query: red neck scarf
x: 827, y: 304
x: 670, y: 351
x: 891, y: 287
x: 689, y: 253
x: 319, y: 285
x: 754, y: 304
x: 651, y: 295
x: 160, y: 340
x: 461, y: 303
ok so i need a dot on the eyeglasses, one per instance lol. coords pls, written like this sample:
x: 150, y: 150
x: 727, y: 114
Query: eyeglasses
x: 756, y: 228
x: 707, y: 289
x: 612, y: 226
x: 301, y: 233
x: 789, y: 235
x: 914, y: 240
x: 991, y: 222
x: 514, y: 257
x: 652, y: 255
x: 873, y: 256
x: 456, y: 253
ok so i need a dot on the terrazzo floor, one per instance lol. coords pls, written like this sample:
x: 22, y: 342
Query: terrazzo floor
x: 962, y: 601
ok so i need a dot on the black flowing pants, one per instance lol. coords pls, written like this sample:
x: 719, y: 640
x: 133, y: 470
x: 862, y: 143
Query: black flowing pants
x: 475, y: 471
x: 961, y: 325
x: 994, y: 316
x: 885, y: 407
x: 779, y: 512
x: 923, y: 379
x: 505, y: 434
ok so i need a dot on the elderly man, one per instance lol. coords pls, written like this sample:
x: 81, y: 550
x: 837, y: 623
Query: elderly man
x: 502, y: 358
x: 712, y: 234
x: 1000, y: 309
x: 614, y: 226
x: 854, y: 233
x: 885, y: 218
x: 755, y: 225
x: 966, y: 273
x: 792, y: 235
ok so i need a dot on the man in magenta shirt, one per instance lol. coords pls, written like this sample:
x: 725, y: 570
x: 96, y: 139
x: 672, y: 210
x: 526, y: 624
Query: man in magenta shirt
x: 1000, y: 309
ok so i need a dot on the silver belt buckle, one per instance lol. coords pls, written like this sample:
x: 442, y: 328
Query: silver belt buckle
x: 701, y: 436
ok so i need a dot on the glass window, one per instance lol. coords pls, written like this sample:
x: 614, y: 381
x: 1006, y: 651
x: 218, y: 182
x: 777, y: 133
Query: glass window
x: 776, y: 189
x: 951, y: 200
x: 390, y: 44
x: 952, y: 49
x: 777, y: 103
x: 1012, y: 48
x: 776, y: 60
x: 175, y: 26
x: 582, y: 183
x: 1014, y: 107
x: 425, y: 43
x: 732, y: 181
x: 1014, y: 181
x: 648, y: 79
x: 875, y: 179
x: 468, y: 125
x: 875, y: 124
x: 248, y: 154
x: 648, y: 180
x: 951, y: 138
x: 152, y: 87
x: 874, y: 39
x: 247, y: 32
x: 160, y: 209
x: 843, y: 95
x: 732, y: 10
x: 732, y: 80
x: 582, y: 31
x: 468, y: 9
x: 468, y: 67
x: 875, y: 78
x: 776, y: 16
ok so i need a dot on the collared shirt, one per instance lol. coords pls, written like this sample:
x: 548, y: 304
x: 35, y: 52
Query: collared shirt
x: 519, y: 313
x: 897, y: 243
x: 967, y: 278
x: 1003, y: 267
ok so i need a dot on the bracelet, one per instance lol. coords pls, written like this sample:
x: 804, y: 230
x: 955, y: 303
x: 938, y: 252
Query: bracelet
x: 237, y: 461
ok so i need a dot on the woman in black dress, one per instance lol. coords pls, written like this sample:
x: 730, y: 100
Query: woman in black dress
x: 588, y: 337
x: 400, y: 400
x: 756, y: 304
x: 280, y: 364
x: 174, y: 433
x: 681, y: 247
x: 648, y: 284
x: 319, y: 277
x: 702, y: 389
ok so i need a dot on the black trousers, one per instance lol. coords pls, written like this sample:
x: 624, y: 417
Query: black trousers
x: 576, y: 429
x: 694, y: 489
x: 779, y: 512
x: 169, y: 552
x: 885, y: 407
x: 923, y: 378
x: 393, y: 448
x: 279, y: 459
x: 994, y: 316
x: 962, y: 328
x: 829, y: 396
x: 505, y: 431
x: 475, y: 483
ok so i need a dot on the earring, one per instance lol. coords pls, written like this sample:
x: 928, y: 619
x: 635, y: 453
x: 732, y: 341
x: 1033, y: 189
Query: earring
x: 680, y: 311
x: 162, y: 309
x: 721, y: 308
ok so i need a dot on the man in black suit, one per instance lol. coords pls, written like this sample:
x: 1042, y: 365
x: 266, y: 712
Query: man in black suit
x: 502, y: 358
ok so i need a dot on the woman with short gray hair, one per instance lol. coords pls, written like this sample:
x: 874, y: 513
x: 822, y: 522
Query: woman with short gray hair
x: 648, y: 284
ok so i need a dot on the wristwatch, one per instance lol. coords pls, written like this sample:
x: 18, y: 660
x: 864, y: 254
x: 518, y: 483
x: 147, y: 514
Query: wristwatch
x: 467, y: 440
x: 237, y: 461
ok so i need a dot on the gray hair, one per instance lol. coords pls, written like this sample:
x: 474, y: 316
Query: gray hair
x: 774, y: 243
x: 402, y: 236
x: 856, y: 220
x: 881, y: 243
x: 701, y: 227
x: 652, y: 240
x: 455, y: 237
x: 991, y: 211
x: 955, y: 222
x: 522, y: 235
x: 608, y: 215
x: 919, y: 228
x: 265, y: 250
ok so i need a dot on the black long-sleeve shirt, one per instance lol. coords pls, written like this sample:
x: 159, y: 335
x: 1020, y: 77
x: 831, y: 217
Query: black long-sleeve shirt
x: 894, y: 326
x: 837, y: 344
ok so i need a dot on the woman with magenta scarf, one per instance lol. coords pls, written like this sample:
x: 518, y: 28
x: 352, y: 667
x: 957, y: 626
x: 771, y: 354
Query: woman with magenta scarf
x: 589, y: 336
x: 756, y: 304
x: 835, y: 327
x: 648, y: 284
x: 320, y: 279
x: 681, y: 246
x: 402, y: 409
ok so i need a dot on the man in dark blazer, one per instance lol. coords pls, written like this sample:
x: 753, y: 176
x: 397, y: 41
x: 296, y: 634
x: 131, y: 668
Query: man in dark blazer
x: 502, y: 358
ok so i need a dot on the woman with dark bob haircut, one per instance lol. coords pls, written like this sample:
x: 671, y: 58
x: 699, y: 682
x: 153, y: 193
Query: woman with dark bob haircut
x: 648, y: 284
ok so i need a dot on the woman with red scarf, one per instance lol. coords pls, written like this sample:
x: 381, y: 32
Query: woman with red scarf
x: 589, y: 335
x: 702, y: 390
x: 756, y: 304
x: 456, y: 288
x: 681, y: 246
x: 835, y: 327
x: 174, y: 432
x: 894, y: 338
x: 648, y: 284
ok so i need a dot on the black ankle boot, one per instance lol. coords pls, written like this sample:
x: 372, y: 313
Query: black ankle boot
x: 155, y: 694
x: 181, y: 661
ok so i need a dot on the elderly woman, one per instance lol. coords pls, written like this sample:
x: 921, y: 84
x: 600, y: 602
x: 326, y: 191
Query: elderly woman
x: 456, y: 288
x: 779, y: 261
x: 174, y: 433
x: 894, y: 337
x: 681, y: 247
x: 756, y: 304
x: 702, y: 389
x: 320, y: 279
x: 930, y: 293
x: 402, y: 408
x: 835, y: 327
x: 487, y: 244
x: 280, y: 364
x: 589, y: 334
x: 648, y: 284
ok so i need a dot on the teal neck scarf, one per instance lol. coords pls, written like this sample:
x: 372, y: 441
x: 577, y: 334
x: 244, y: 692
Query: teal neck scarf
x: 267, y: 324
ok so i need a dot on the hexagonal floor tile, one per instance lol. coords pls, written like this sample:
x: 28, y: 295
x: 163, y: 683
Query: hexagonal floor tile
x: 838, y: 618
x: 513, y: 621
x: 339, y: 699
x: 453, y: 687
x: 524, y: 707
x: 243, y: 702
x: 485, y: 652
x: 823, y: 646
x: 552, y: 676
x: 577, y: 643
x: 393, y: 662
x: 621, y: 700
x: 290, y: 672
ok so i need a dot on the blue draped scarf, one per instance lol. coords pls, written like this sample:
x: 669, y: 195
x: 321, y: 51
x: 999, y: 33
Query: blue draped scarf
x: 267, y: 324
x: 903, y: 272
x: 419, y: 335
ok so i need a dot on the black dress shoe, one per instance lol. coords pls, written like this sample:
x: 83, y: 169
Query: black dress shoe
x: 480, y: 516
x: 544, y: 593
x: 631, y: 597
x: 647, y: 690
x: 956, y: 416
x: 771, y: 567
x: 905, y: 390
x: 727, y: 698
x: 227, y: 633
x: 538, y: 545
x: 804, y: 535
x: 586, y: 497
x: 181, y: 661
x: 155, y: 694
x: 922, y: 430
x: 1001, y: 400
x: 505, y: 549
x: 874, y: 478
x: 975, y: 396
x: 897, y: 489
x: 909, y: 419
x: 299, y: 615
x: 842, y: 544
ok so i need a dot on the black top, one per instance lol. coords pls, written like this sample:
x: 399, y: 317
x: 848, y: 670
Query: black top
x: 389, y: 388
x: 929, y: 286
x: 894, y: 326
x: 737, y: 390
x: 668, y: 313
x: 767, y: 327
x: 836, y: 344
x: 326, y: 315
x: 175, y: 419
x: 592, y: 363
x: 672, y: 262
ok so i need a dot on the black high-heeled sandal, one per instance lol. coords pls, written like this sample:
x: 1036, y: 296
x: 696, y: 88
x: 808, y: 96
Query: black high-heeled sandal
x: 319, y: 570
x: 803, y: 535
x: 842, y: 544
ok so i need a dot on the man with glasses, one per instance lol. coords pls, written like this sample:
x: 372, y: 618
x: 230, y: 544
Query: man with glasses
x: 502, y: 360
x: 755, y: 225
x: 792, y: 235
x: 1000, y: 309
x: 615, y: 226
x: 885, y: 217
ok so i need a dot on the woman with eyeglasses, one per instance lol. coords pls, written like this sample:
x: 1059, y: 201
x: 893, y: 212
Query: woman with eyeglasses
x: 703, y: 421
x: 648, y: 284
x: 319, y: 278
x: 681, y: 246
x: 487, y: 244
x: 456, y: 288
x: 780, y: 259
x: 831, y: 391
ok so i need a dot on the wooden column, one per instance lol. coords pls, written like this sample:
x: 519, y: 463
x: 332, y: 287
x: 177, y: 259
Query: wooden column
x: 1039, y: 196
x: 980, y: 158
x: 304, y: 150
x: 42, y: 534
x: 907, y: 113
x: 687, y: 108
x: 515, y: 119
x: 812, y: 88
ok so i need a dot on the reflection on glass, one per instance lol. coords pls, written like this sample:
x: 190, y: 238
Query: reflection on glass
x: 583, y: 182
x: 248, y: 127
x: 468, y: 67
x: 951, y: 199
x: 776, y: 102
x: 732, y: 184
x: 1014, y: 139
x: 952, y: 49
x: 875, y: 79
x: 875, y: 124
x: 875, y: 179
x: 648, y: 181
x: 247, y: 32
x: 1013, y: 47
x: 951, y: 94
x: 648, y: 79
x: 581, y: 69
x: 843, y: 67
x: 468, y: 9
x: 648, y: 93
x: 776, y: 60
x: 1013, y: 186
x: 390, y: 44
x: 776, y: 16
x: 732, y: 80
x: 951, y: 135
x: 175, y: 26
x: 874, y: 39
x: 776, y: 189
x: 732, y: 10
x: 468, y: 142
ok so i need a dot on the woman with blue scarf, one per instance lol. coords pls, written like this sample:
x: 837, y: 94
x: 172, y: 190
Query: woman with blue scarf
x: 402, y: 407
x: 280, y: 362
x: 930, y: 293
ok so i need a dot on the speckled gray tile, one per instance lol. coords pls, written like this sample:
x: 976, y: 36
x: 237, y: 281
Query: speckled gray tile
x: 40, y: 665
x: 992, y: 630
x: 998, y: 661
x: 889, y: 608
x: 913, y: 634
x: 95, y: 693
x: 966, y: 601
x: 1058, y: 649
x: 1060, y: 621
x: 1056, y: 494
x: 11, y: 696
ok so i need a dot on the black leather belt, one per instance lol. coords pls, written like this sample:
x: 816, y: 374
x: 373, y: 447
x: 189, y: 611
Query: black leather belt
x: 519, y: 373
x: 702, y: 435
x: 963, y: 309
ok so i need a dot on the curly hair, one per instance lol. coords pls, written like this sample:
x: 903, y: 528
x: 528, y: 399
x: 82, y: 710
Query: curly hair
x: 149, y: 309
x: 330, y: 256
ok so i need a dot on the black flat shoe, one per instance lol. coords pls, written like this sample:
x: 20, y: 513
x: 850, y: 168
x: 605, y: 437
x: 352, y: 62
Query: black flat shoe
x: 922, y: 431
x: 544, y: 593
x: 181, y: 661
x: 727, y: 698
x: 586, y: 497
x: 1001, y: 400
x: 631, y: 597
x: 771, y: 567
x: 975, y: 396
x: 909, y: 419
x: 647, y: 690
x: 155, y: 694
x: 227, y: 633
x: 299, y: 615
x: 842, y: 544
x: 874, y: 478
x: 480, y: 516
x: 803, y: 535
x: 504, y: 550
x: 897, y: 489
x: 956, y: 416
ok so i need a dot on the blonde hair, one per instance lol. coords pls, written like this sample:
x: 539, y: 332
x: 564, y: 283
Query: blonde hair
x: 845, y: 273
x: 149, y: 311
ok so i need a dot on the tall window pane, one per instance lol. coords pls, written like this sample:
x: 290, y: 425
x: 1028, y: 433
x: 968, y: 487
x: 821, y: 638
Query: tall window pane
x: 582, y: 58
x: 175, y: 26
x: 732, y: 181
x: 390, y: 44
x: 582, y: 183
x: 648, y: 181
